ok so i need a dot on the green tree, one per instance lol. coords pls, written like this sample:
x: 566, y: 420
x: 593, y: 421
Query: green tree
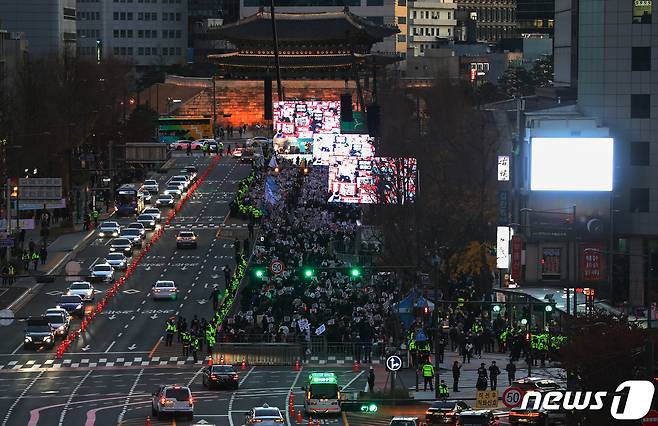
x: 542, y: 71
x: 141, y: 124
x: 516, y: 81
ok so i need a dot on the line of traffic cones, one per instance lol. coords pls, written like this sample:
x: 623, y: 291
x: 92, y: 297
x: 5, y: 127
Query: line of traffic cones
x: 357, y: 366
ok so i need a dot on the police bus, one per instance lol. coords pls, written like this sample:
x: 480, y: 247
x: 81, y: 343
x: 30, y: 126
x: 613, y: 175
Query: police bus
x: 322, y: 394
x: 129, y: 199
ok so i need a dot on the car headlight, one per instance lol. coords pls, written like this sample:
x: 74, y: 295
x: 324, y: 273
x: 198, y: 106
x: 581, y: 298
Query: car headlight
x: 47, y: 339
x: 101, y: 234
x: 28, y: 339
x: 115, y: 234
x: 61, y: 328
x: 78, y: 306
x: 152, y: 223
x: 112, y: 249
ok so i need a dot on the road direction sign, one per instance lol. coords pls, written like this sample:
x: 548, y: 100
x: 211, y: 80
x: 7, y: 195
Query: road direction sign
x: 6, y: 317
x: 486, y: 399
x: 393, y: 363
x: 512, y: 397
x: 277, y: 267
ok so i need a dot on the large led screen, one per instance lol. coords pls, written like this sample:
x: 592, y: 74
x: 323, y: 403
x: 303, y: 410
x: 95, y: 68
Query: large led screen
x: 377, y: 180
x: 327, y: 145
x: 571, y: 164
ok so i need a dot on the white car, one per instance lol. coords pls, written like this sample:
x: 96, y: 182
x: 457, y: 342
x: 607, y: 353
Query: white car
x: 117, y: 260
x: 172, y: 399
x: 151, y: 185
x: 179, y: 180
x: 84, y: 289
x: 138, y: 226
x: 174, y: 191
x: 133, y: 235
x: 148, y: 221
x: 109, y: 229
x: 103, y: 271
x: 164, y: 290
x: 153, y: 211
x: 59, y: 320
x: 164, y: 200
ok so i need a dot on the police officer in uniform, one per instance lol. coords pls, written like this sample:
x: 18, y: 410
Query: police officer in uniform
x: 196, y: 345
x: 428, y: 376
x: 170, y: 329
x: 443, y: 390
x: 187, y: 341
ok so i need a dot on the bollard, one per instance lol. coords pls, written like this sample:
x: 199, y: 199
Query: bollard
x: 297, y: 364
x: 299, y: 417
x: 310, y: 421
x: 243, y: 366
x: 148, y: 420
x: 357, y: 366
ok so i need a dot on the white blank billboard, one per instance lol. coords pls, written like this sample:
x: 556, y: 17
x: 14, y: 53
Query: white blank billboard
x: 571, y: 164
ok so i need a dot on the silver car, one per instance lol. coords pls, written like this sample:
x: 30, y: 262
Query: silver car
x: 165, y: 200
x: 183, y: 179
x: 102, y: 272
x: 139, y: 226
x: 151, y: 185
x: 122, y: 245
x: 133, y: 235
x: 153, y: 211
x: 84, y: 289
x: 148, y: 221
x: 172, y: 399
x: 117, y: 260
x: 164, y: 290
x: 109, y: 229
x: 174, y: 191
x: 59, y: 320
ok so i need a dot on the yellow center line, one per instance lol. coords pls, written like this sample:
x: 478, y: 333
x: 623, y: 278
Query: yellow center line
x: 345, y: 419
x: 155, y: 347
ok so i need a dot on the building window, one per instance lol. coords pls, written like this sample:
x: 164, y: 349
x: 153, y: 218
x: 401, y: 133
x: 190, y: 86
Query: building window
x: 640, y: 152
x: 140, y: 51
x: 640, y: 106
x: 414, y: 14
x: 642, y: 11
x: 639, y: 200
x: 641, y: 59
x: 164, y: 33
x: 130, y: 16
x: 116, y: 33
x: 178, y: 16
x: 69, y: 13
x: 449, y: 15
x: 374, y: 2
x: 402, y: 2
x: 402, y: 20
x: 402, y: 38
x: 140, y: 33
x: 115, y: 16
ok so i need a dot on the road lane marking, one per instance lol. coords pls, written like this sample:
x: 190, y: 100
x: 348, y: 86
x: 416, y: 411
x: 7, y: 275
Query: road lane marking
x: 352, y: 381
x: 17, y: 348
x: 290, y: 392
x: 155, y: 347
x: 25, y: 391
x: 110, y: 347
x: 195, y: 376
x: 130, y: 393
x: 71, y: 396
x: 230, y: 402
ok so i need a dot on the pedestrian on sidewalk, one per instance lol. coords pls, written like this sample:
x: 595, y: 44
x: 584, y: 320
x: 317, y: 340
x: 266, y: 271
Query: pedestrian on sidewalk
x: 227, y: 275
x: 214, y: 296
x: 441, y: 348
x: 196, y: 346
x: 43, y: 254
x: 511, y: 372
x: 12, y: 274
x: 94, y: 215
x: 26, y: 260
x: 468, y: 352
x: 456, y: 372
x: 371, y: 380
x: 494, y: 372
x: 179, y: 327
x: 443, y: 390
x: 188, y: 150
x: 482, y: 378
x: 428, y: 376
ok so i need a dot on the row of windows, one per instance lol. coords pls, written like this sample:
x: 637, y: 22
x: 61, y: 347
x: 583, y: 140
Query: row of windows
x: 69, y: 13
x: 429, y: 31
x: 146, y: 16
x: 89, y: 33
x: 493, y: 33
x: 86, y: 50
x: 147, y: 51
x: 493, y: 15
x: 148, y: 1
x: 427, y: 14
x: 88, y: 16
x: 147, y: 33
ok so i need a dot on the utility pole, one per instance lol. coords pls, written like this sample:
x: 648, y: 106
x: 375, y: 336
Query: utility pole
x: 214, y: 109
x: 277, y: 64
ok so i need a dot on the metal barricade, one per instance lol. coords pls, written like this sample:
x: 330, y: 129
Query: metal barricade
x: 258, y: 353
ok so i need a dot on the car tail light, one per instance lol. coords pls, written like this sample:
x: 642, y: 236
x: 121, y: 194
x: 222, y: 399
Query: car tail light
x: 279, y: 420
x: 235, y: 377
x: 194, y: 237
x: 178, y: 238
x: 163, y: 400
x: 191, y: 401
x: 450, y: 413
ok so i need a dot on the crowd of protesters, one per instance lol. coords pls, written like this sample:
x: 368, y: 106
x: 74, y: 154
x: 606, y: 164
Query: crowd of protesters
x: 316, y: 295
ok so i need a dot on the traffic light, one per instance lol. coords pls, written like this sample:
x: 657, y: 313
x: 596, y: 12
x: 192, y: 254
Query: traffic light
x: 426, y: 310
x: 369, y: 408
x: 308, y: 273
x: 496, y: 308
x: 276, y: 169
x: 528, y: 336
x: 305, y: 170
x: 259, y: 273
x: 548, y: 308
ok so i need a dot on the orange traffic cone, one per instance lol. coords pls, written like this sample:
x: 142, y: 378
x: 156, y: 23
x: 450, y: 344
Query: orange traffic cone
x: 291, y: 408
x: 299, y: 417
x: 297, y: 365
x: 244, y: 364
x: 357, y: 366
x: 317, y: 422
x: 148, y: 420
x: 310, y: 421
x: 209, y: 361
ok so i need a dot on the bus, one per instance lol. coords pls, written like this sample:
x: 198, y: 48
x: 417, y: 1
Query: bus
x: 322, y: 394
x: 171, y: 129
x: 129, y: 199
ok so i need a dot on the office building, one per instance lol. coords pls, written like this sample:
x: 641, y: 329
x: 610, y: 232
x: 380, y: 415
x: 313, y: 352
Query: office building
x: 492, y: 20
x: 535, y: 17
x: 48, y: 25
x: 146, y: 32
x: 430, y: 22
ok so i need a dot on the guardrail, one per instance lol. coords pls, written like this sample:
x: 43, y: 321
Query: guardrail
x: 258, y: 353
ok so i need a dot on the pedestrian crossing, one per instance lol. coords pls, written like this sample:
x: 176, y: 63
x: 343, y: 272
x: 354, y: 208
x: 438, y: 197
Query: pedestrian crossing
x: 141, y: 361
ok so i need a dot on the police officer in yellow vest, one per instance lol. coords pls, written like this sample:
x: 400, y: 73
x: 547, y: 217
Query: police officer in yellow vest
x: 428, y: 375
x: 443, y: 390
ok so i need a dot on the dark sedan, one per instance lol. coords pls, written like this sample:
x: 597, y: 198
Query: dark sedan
x: 444, y: 412
x: 73, y: 304
x: 220, y: 376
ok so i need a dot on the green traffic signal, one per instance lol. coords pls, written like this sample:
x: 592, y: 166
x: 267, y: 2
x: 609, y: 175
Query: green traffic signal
x: 260, y: 273
x: 355, y: 272
x: 308, y: 273
x: 369, y: 408
x: 548, y: 308
x: 496, y: 308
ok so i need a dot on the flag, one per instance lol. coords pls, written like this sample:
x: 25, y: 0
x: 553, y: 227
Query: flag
x: 271, y: 190
x: 273, y: 163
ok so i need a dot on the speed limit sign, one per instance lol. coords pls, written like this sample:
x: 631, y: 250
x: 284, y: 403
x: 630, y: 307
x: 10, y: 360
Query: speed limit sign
x: 512, y: 397
x: 277, y: 267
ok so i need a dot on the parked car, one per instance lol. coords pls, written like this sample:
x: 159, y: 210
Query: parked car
x: 183, y: 143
